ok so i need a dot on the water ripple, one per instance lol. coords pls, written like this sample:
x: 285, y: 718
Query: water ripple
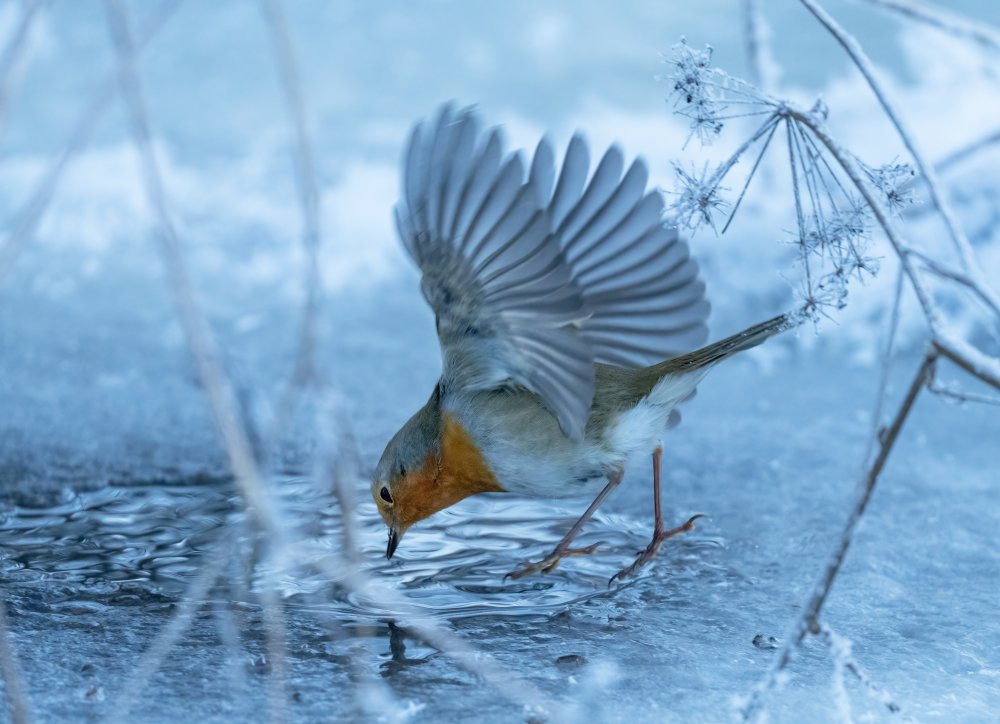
x: 129, y: 544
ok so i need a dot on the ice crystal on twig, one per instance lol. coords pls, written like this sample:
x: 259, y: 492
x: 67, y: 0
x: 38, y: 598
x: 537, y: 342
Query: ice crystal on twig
x: 832, y: 224
x: 699, y: 198
x: 706, y: 95
x: 894, y: 182
x: 693, y: 94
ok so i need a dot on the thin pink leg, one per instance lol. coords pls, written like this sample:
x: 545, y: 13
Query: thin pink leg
x: 562, y: 550
x: 657, y: 514
x: 659, y: 535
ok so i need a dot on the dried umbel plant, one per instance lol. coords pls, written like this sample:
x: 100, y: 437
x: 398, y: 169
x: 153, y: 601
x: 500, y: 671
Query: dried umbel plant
x: 833, y: 221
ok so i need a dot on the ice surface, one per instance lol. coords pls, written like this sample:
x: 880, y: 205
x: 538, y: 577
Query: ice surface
x: 113, y: 484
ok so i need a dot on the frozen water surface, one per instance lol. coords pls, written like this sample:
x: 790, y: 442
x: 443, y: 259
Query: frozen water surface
x: 114, y: 490
x: 91, y: 579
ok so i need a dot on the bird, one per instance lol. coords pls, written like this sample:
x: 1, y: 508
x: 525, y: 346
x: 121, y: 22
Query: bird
x: 570, y: 315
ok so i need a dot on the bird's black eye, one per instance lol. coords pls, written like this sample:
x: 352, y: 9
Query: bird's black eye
x: 384, y: 493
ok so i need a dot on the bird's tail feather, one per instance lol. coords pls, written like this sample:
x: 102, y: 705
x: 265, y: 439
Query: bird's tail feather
x: 718, y: 351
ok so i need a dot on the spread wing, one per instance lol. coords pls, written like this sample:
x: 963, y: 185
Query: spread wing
x: 534, y: 280
x: 636, y: 274
x: 508, y: 311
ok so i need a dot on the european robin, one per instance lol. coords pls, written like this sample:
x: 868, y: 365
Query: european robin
x: 566, y: 310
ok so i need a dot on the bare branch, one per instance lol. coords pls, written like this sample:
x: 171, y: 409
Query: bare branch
x: 952, y: 23
x: 14, y: 51
x: 808, y: 621
x: 970, y: 359
x: 168, y: 636
x: 214, y: 381
x: 842, y: 656
x: 952, y: 393
x: 10, y: 670
x: 864, y: 64
x: 27, y: 218
x: 753, y: 41
x: 308, y: 186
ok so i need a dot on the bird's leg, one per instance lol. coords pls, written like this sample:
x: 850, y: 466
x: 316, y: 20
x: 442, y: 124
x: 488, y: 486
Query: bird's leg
x: 659, y: 535
x: 562, y: 550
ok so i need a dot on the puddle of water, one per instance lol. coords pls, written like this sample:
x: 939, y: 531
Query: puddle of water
x: 91, y: 581
x: 152, y: 539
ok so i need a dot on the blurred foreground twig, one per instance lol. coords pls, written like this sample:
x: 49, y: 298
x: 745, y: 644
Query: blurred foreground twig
x: 27, y: 218
x: 10, y: 670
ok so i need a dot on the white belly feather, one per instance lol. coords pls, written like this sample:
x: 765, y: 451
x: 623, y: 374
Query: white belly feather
x: 530, y: 455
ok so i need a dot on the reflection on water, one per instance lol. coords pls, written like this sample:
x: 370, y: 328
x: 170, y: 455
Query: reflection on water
x: 149, y: 541
x: 91, y: 582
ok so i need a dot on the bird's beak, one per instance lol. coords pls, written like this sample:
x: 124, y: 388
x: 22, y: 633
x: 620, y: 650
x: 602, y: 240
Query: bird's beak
x: 394, y: 537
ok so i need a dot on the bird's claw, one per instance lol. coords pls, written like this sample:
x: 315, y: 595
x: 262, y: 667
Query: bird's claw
x: 549, y: 563
x: 645, y: 556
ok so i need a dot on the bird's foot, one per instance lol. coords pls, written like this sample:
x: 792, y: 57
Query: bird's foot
x: 653, y: 548
x: 549, y: 563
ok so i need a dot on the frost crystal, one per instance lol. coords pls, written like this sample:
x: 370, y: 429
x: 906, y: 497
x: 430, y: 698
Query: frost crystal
x: 833, y: 224
x: 698, y: 199
x: 694, y: 93
x: 892, y: 181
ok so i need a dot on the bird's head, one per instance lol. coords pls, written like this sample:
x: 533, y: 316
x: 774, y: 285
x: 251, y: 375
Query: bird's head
x: 429, y: 465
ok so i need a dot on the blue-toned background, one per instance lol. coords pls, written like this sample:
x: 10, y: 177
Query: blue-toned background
x: 112, y: 481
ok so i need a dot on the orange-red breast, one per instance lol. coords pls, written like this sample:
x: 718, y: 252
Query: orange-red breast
x: 565, y: 310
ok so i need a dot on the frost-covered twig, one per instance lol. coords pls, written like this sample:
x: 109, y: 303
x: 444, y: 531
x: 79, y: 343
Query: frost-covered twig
x: 808, y: 621
x: 13, y: 52
x: 886, y: 366
x: 966, y: 152
x: 214, y: 381
x: 376, y: 596
x: 27, y: 218
x: 168, y: 636
x: 338, y: 464
x: 308, y: 186
x: 753, y: 41
x: 927, y: 171
x: 952, y: 393
x: 949, y: 22
x: 840, y: 648
x: 972, y: 360
x: 10, y: 672
x: 836, y: 197
x: 201, y: 342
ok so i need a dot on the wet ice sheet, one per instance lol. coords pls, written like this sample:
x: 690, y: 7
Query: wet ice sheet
x: 772, y: 468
